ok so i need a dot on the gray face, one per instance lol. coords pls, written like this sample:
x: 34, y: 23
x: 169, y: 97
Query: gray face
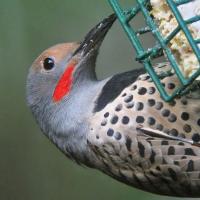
x: 60, y: 87
x: 44, y: 91
x: 46, y: 71
x: 43, y: 77
x: 63, y: 121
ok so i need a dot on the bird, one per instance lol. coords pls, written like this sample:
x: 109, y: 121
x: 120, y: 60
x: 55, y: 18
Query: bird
x: 119, y: 125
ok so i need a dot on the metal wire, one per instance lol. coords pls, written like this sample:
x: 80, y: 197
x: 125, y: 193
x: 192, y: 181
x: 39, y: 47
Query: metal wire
x: 146, y: 56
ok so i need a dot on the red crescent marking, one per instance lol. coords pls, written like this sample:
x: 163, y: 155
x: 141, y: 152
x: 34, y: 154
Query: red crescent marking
x: 63, y: 86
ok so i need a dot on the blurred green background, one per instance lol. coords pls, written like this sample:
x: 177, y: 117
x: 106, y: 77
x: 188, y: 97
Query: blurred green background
x: 31, y: 168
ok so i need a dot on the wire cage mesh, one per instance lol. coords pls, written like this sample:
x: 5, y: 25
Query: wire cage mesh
x: 146, y: 56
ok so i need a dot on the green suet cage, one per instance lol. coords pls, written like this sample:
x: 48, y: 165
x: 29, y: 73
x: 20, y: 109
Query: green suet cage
x: 146, y: 56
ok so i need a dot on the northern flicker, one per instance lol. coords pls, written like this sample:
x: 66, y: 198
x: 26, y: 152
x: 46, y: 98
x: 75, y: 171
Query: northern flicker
x: 119, y: 125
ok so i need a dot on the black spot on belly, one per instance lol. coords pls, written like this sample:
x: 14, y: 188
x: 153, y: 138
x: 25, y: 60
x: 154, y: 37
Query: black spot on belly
x: 128, y: 143
x: 185, y: 116
x: 189, y: 152
x: 172, y: 103
x: 114, y: 87
x: 152, y: 157
x: 142, y: 91
x: 118, y: 108
x: 164, y: 161
x: 159, y: 127
x: 130, y: 105
x: 141, y: 149
x: 139, y: 106
x: 176, y: 162
x: 165, y: 113
x: 187, y: 128
x: 151, y: 121
x: 172, y: 174
x: 171, y: 150
x: 140, y: 119
x: 159, y: 105
x: 151, y: 90
x: 125, y: 120
x: 184, y: 157
x: 184, y: 101
x: 128, y: 99
x: 158, y: 168
x: 172, y: 118
x: 173, y: 132
x: 198, y: 122
x: 190, y: 167
x: 134, y: 87
x: 118, y: 136
x: 181, y: 144
x: 144, y: 78
x: 196, y: 137
x: 164, y: 142
x: 171, y: 86
x: 110, y: 132
x: 151, y: 102
x: 114, y: 120
x: 104, y: 122
x: 106, y: 115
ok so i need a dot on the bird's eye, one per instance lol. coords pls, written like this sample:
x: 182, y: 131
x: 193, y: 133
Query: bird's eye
x: 48, y: 64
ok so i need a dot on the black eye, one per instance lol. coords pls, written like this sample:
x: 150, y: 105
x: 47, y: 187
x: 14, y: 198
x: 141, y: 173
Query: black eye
x: 48, y: 63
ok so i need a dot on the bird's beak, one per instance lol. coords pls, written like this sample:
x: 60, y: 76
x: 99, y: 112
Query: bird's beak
x: 95, y: 37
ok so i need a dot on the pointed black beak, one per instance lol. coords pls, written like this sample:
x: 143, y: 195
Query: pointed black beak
x: 95, y: 37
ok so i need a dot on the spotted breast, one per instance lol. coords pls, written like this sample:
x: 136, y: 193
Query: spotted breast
x: 162, y: 165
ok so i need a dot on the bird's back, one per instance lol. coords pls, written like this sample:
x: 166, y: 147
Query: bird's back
x: 152, y: 163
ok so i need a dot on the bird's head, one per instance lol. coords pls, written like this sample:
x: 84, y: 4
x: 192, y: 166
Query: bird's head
x: 59, y: 68
x: 56, y: 76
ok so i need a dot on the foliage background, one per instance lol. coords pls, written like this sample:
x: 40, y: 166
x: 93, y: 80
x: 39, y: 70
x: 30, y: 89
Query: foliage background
x: 31, y: 168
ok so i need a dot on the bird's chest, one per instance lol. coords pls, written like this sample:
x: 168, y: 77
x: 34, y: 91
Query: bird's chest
x: 113, y: 130
x: 129, y: 156
x: 140, y: 105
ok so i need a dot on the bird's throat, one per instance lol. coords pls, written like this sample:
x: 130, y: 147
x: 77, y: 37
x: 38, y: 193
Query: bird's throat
x: 64, y: 84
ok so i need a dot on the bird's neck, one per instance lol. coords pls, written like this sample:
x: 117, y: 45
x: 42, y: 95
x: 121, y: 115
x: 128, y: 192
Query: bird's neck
x: 68, y: 121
